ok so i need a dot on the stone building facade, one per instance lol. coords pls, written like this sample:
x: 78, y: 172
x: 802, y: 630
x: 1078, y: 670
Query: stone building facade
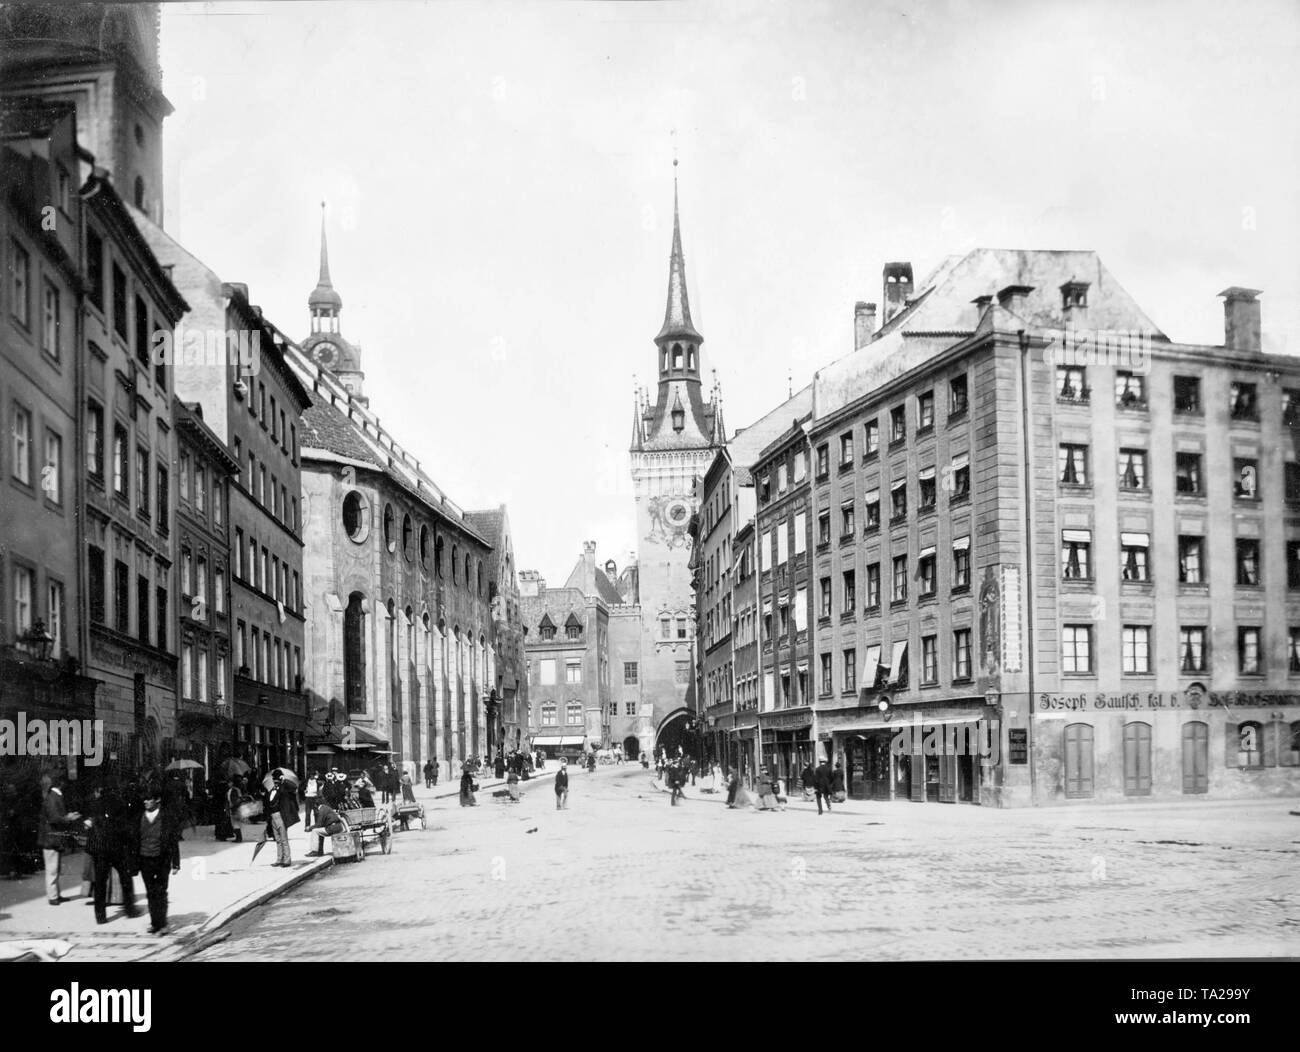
x: 400, y: 652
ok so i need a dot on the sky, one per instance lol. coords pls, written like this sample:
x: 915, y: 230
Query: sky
x: 499, y: 182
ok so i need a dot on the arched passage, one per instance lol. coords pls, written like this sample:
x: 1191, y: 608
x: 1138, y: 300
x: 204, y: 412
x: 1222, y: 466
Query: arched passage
x: 632, y: 747
x: 672, y: 733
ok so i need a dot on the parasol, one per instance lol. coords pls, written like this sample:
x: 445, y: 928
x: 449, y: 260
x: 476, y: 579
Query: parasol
x: 288, y: 778
x: 234, y: 766
x: 185, y: 765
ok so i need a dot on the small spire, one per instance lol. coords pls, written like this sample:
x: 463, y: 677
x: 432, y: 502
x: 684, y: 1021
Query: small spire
x: 324, y: 296
x: 677, y: 314
x: 324, y: 251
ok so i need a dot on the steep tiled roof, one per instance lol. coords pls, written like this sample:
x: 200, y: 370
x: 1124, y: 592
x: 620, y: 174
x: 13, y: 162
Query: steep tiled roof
x: 487, y: 523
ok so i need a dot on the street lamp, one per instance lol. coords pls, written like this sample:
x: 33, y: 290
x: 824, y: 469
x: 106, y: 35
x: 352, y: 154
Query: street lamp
x: 37, y: 641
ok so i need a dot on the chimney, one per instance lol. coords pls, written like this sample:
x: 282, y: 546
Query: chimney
x: 1241, y: 319
x: 981, y: 305
x: 1012, y: 298
x: 898, y: 288
x: 864, y: 324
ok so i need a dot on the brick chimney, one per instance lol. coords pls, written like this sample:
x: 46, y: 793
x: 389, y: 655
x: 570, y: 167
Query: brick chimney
x: 864, y: 324
x: 898, y: 287
x: 981, y: 305
x: 1241, y: 319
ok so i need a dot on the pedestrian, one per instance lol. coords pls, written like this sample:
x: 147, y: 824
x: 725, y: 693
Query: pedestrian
x: 822, y: 778
x: 837, y: 784
x: 512, y: 784
x: 310, y: 796
x: 468, y: 787
x: 676, y: 778
x: 108, y: 844
x: 328, y: 824
x: 381, y: 780
x: 233, y: 824
x: 395, y: 775
x: 408, y: 789
x: 436, y: 769
x: 806, y: 778
x: 562, y: 786
x: 428, y: 774
x: 282, y: 807
x: 733, y: 788
x: 365, y: 791
x: 55, y: 826
x: 156, y: 849
x: 500, y: 764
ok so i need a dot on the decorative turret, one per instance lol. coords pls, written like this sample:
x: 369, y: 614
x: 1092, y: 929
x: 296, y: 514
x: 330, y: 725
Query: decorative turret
x: 324, y: 302
x: 326, y: 345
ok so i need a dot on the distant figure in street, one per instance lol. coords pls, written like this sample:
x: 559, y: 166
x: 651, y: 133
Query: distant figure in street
x: 467, y: 787
x: 234, y: 798
x: 156, y: 844
x: 56, y: 822
x: 806, y: 777
x: 676, y: 778
x: 430, y: 773
x: 310, y: 795
x: 328, y: 823
x: 733, y: 787
x: 822, y: 784
x: 837, y: 783
x: 562, y: 786
x: 408, y: 789
x: 512, y: 784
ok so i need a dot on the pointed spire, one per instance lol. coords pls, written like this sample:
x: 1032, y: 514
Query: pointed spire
x: 677, y: 314
x: 323, y: 295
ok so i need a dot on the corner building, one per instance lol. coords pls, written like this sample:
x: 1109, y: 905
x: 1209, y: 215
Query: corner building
x: 1035, y: 510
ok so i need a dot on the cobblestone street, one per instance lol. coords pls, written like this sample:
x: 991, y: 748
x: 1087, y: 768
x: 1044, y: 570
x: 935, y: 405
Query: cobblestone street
x: 622, y: 875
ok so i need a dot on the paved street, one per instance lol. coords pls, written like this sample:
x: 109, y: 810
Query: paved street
x: 622, y: 875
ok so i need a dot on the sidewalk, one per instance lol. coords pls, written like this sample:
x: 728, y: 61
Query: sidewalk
x: 217, y: 882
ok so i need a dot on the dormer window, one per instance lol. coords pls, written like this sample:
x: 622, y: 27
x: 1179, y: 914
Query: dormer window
x: 1074, y: 294
x: 572, y: 628
x: 679, y: 418
x: 547, y: 627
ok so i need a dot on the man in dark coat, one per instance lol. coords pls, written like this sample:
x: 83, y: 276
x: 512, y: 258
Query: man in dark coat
x: 282, y: 809
x: 562, y: 786
x: 806, y: 777
x: 109, y: 847
x: 56, y: 822
x: 156, y: 849
x: 428, y: 774
x: 822, y: 779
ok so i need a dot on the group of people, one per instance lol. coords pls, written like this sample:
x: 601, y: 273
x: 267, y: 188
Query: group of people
x: 129, y: 830
x: 825, y: 783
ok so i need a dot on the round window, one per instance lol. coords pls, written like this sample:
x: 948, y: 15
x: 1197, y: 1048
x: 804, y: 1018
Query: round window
x: 390, y: 540
x: 356, y: 516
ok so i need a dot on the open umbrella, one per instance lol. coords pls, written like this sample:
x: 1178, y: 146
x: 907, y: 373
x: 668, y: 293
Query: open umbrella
x: 288, y: 778
x: 185, y: 765
x: 234, y: 766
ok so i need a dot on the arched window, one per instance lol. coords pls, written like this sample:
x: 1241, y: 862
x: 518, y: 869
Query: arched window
x: 437, y: 556
x: 139, y: 193
x: 408, y: 537
x: 424, y: 546
x: 354, y: 654
x: 467, y: 577
x: 677, y: 356
x: 390, y: 536
x: 410, y: 635
x: 480, y: 578
x: 690, y: 356
x: 663, y: 359
x: 455, y: 560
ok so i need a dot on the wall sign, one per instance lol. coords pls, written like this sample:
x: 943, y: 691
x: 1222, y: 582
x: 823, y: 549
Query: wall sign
x: 1167, y: 699
x: 1011, y: 619
x: 1018, y: 745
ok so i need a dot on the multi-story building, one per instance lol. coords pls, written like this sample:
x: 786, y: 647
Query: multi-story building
x: 738, y: 730
x: 726, y: 507
x: 399, y: 652
x: 567, y: 640
x: 507, y: 708
x: 673, y: 443
x: 1070, y: 535
x: 205, y: 727
x: 783, y: 530
x: 42, y: 630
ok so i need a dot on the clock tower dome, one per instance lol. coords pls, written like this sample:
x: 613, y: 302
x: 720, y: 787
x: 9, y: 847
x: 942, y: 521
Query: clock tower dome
x: 326, y: 345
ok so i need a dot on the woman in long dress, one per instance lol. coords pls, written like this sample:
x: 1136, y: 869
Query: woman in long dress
x: 467, y: 788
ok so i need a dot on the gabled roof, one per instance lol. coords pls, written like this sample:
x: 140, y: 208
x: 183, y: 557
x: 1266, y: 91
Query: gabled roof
x: 942, y: 313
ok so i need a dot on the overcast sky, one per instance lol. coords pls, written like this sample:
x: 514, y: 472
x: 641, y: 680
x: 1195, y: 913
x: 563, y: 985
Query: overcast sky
x: 499, y: 180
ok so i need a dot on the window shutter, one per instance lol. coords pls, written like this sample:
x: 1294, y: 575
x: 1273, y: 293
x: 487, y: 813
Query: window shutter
x: 1230, y: 743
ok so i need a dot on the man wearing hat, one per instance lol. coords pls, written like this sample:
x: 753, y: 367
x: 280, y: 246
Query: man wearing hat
x: 56, y: 822
x: 282, y: 808
x: 158, y: 852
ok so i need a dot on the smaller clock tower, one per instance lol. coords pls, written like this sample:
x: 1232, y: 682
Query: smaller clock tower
x: 326, y: 345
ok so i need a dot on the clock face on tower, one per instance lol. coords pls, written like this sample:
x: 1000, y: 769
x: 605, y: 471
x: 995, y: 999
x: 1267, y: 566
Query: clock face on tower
x: 326, y: 354
x: 669, y: 518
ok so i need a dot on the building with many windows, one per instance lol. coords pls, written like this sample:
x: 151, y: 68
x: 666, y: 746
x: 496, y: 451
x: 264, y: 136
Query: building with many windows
x: 568, y: 643
x: 42, y: 626
x: 1062, y: 531
x: 205, y: 727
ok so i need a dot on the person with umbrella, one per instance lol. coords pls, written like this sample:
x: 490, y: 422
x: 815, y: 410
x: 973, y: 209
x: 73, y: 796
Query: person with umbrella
x: 282, y: 810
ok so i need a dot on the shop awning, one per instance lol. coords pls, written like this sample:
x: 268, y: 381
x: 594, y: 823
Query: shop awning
x: 872, y: 665
x: 898, y: 658
x: 572, y: 739
x: 548, y: 739
x: 961, y: 544
x: 349, y: 738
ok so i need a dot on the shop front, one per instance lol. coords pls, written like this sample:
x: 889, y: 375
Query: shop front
x: 560, y: 746
x: 947, y: 752
x: 787, y: 744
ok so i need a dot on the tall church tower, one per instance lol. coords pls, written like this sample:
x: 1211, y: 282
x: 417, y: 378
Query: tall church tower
x: 674, y: 441
x: 326, y: 345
